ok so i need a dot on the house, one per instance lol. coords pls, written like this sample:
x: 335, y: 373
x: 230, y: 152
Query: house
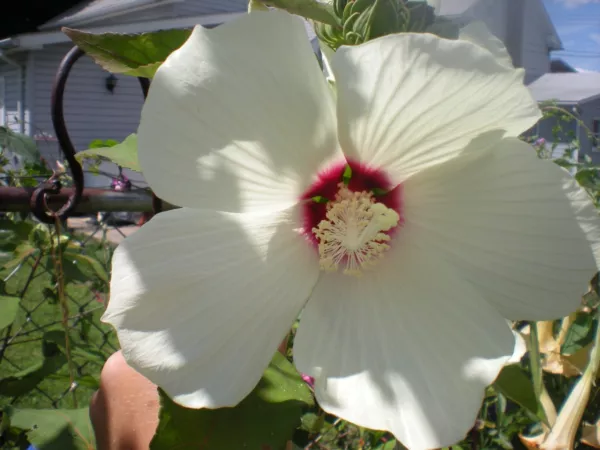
x: 560, y: 66
x: 523, y: 25
x: 95, y: 109
x: 579, y: 94
x: 28, y: 64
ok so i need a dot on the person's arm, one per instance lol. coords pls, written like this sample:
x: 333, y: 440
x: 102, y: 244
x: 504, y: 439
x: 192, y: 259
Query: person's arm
x: 124, y: 411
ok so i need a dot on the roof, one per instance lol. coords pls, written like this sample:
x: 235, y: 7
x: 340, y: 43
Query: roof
x: 569, y: 88
x: 90, y: 11
x: 457, y: 8
x: 93, y: 9
x: 560, y: 65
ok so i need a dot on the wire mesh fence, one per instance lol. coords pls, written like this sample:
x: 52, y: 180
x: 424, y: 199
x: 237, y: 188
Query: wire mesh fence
x: 50, y: 262
x: 59, y: 225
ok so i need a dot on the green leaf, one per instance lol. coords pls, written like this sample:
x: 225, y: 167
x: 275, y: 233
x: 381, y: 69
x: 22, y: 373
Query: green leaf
x: 385, y: 18
x: 580, y: 333
x: 99, y: 143
x: 85, y: 261
x: 9, y: 307
x: 515, y: 384
x: 312, y: 422
x: 12, y: 233
x: 389, y: 445
x: 267, y: 417
x: 124, y: 154
x: 139, y: 55
x: 56, y: 429
x: 24, y: 381
x: 19, y: 143
x: 310, y: 9
x: 86, y: 380
x: 20, y: 254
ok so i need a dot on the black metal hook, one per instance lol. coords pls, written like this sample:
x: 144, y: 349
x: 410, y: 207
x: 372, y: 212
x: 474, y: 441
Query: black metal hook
x: 38, y: 202
x: 38, y: 199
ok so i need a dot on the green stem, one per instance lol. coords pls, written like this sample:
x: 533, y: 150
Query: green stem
x: 594, y: 363
x: 536, y: 368
x: 64, y: 306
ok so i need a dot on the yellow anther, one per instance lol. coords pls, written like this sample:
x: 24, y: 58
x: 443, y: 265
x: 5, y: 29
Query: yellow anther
x: 352, y: 231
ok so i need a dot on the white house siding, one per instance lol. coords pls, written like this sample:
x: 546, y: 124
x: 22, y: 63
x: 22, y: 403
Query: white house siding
x: 12, y: 93
x: 590, y: 111
x: 536, y: 60
x: 157, y: 13
x: 201, y: 7
x: 560, y: 140
x: 91, y: 111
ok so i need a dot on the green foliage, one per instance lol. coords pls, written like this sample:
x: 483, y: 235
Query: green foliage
x: 580, y: 333
x: 139, y: 55
x: 19, y: 144
x: 100, y: 143
x: 311, y: 9
x: 24, y: 381
x: 266, y: 417
x: 36, y: 345
x: 362, y: 20
x: 55, y: 429
x: 123, y: 154
x: 516, y: 384
x: 9, y: 307
x: 13, y: 235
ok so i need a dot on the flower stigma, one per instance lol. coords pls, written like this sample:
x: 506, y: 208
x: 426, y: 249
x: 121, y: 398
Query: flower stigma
x: 352, y: 232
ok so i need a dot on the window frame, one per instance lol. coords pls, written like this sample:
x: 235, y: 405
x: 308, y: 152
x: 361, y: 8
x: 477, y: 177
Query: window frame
x: 3, y: 120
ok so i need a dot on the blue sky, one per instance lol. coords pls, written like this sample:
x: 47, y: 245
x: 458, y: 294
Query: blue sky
x: 578, y: 25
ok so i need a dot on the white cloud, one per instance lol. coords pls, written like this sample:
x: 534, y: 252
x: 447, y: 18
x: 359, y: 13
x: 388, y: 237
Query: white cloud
x: 579, y: 69
x: 576, y: 3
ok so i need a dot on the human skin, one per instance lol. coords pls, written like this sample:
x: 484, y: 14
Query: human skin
x: 124, y: 411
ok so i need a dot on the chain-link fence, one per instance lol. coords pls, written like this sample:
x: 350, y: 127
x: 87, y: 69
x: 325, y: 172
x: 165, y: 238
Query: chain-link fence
x: 57, y: 238
x: 58, y: 277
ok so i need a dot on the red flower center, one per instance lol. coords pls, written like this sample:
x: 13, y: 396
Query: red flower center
x: 359, y: 178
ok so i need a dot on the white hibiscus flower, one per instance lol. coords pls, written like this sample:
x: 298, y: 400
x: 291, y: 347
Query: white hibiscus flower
x: 449, y: 225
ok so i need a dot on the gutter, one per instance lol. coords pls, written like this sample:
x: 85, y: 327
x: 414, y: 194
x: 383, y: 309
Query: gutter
x: 37, y: 40
x: 9, y: 43
x: 21, y: 95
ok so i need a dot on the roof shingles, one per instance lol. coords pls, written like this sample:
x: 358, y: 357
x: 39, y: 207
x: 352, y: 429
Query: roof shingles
x: 568, y: 88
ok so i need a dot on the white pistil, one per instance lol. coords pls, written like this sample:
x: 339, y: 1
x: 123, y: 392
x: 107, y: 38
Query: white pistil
x: 352, y: 231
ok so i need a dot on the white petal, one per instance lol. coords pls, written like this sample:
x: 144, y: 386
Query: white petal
x: 408, y: 348
x: 407, y: 102
x: 478, y: 34
x: 201, y: 299
x: 520, y: 347
x: 239, y: 117
x: 519, y: 228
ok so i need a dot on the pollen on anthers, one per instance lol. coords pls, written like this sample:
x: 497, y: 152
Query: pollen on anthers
x: 352, y: 232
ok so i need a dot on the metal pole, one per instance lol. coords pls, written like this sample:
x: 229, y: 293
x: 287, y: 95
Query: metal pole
x: 92, y: 200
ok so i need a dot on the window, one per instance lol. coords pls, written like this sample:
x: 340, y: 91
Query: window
x: 2, y: 104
